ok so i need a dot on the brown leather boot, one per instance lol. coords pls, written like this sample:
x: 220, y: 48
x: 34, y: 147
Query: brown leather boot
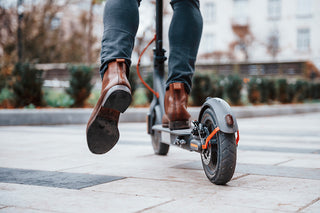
x: 175, y: 105
x: 102, y: 127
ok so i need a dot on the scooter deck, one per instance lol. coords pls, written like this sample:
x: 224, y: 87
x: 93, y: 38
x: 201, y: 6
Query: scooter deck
x: 180, y: 137
x: 178, y: 132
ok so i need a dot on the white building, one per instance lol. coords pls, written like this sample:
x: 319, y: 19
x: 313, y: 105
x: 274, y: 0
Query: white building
x: 260, y: 31
x: 235, y: 31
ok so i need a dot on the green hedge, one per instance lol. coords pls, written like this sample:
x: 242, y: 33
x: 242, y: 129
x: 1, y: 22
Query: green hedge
x: 27, y: 86
x: 265, y: 90
x: 25, y: 89
x: 233, y: 89
x: 201, y: 89
x: 207, y: 85
x: 80, y: 84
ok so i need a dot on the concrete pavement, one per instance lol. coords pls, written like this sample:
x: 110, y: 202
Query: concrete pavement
x: 50, y: 169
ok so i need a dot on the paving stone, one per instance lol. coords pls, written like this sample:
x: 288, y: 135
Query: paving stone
x: 53, y: 179
x: 289, y: 141
x: 305, y: 163
x: 262, y: 158
x: 184, y: 196
x: 314, y: 208
x: 73, y: 201
x: 281, y: 171
x: 279, y: 184
x: 235, y: 199
x: 157, y: 188
x: 23, y: 210
x: 191, y: 206
x: 279, y: 149
x: 267, y: 170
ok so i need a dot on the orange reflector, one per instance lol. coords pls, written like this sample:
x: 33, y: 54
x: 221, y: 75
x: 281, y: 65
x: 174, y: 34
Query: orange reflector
x: 229, y: 120
x: 238, y: 138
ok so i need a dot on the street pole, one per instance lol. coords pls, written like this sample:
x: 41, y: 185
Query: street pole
x: 20, y: 10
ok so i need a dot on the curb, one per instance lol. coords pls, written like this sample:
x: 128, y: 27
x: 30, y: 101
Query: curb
x: 12, y: 117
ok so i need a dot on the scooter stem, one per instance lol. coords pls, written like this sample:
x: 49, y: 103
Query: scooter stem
x: 159, y: 16
x: 159, y: 58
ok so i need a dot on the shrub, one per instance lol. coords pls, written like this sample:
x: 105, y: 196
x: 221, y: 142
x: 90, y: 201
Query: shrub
x: 140, y: 98
x: 133, y: 79
x: 283, y: 90
x: 315, y: 91
x: 201, y: 89
x: 6, y: 75
x: 267, y: 89
x: 216, y: 87
x: 255, y: 90
x: 149, y: 81
x: 2, y: 79
x: 58, y: 99
x: 233, y: 89
x: 6, y: 98
x: 272, y: 90
x: 80, y: 84
x: 291, y: 93
x: 94, y: 97
x: 301, y: 90
x: 27, y: 86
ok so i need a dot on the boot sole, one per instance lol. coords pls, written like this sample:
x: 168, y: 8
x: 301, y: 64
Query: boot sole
x: 118, y: 98
x: 174, y: 125
x: 165, y: 125
x: 103, y: 133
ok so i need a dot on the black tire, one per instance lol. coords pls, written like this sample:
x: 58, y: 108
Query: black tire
x: 219, y: 166
x: 158, y: 147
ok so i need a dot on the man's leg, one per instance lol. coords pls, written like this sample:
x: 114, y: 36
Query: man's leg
x: 121, y: 20
x: 184, y: 39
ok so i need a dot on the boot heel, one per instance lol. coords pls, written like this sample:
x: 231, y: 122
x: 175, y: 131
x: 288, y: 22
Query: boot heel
x: 174, y: 125
x: 118, y: 98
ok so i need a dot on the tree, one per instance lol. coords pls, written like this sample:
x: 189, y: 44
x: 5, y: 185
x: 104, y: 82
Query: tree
x: 46, y: 36
x: 244, y: 39
x: 90, y: 39
x: 8, y: 35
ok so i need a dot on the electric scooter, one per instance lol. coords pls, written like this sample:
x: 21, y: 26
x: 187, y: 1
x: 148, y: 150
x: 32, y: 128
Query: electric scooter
x: 214, y: 135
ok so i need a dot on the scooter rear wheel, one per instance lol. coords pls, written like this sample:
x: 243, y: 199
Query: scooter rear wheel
x: 219, y: 159
x: 158, y: 147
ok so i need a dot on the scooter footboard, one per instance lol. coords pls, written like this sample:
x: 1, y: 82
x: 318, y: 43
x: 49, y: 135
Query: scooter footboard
x: 179, y: 138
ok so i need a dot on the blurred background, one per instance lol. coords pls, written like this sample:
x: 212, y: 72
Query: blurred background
x: 251, y: 52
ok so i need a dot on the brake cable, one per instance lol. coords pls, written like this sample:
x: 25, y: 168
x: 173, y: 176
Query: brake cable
x: 138, y: 70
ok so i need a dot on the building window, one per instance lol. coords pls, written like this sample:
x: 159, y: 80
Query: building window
x: 304, y: 8
x: 273, y: 43
x: 303, y: 39
x: 241, y: 11
x: 209, y: 12
x: 274, y: 9
x: 208, y: 43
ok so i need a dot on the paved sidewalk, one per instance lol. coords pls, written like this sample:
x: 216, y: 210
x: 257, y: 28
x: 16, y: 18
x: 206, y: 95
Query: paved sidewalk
x: 50, y: 169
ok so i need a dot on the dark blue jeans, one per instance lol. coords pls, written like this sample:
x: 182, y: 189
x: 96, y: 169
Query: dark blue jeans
x: 121, y: 20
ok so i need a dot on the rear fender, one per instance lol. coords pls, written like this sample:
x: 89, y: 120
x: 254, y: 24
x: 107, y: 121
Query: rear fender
x: 220, y: 109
